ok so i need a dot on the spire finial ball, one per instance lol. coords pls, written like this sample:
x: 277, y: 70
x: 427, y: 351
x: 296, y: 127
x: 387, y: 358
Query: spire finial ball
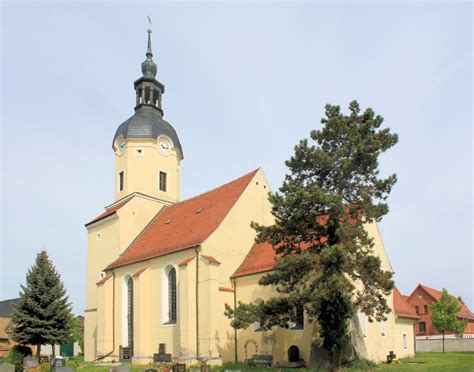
x: 149, y: 30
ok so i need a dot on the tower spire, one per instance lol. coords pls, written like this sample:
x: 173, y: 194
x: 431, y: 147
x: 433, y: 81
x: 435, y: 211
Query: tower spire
x: 149, y: 91
x: 149, y: 67
x: 148, y: 51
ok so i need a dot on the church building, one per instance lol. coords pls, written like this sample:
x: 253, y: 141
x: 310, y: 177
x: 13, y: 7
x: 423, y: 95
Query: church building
x: 160, y: 269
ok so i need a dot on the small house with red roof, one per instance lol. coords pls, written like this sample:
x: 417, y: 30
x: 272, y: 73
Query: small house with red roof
x: 160, y: 269
x: 421, y: 298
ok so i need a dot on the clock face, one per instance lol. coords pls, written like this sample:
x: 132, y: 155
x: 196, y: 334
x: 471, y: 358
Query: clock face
x: 164, y: 147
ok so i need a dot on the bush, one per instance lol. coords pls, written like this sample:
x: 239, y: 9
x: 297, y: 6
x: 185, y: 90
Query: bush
x: 45, y: 367
x: 16, y: 356
x: 72, y: 363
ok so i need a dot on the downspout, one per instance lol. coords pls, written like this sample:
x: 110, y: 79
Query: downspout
x: 113, y: 321
x: 235, y: 317
x: 197, y: 301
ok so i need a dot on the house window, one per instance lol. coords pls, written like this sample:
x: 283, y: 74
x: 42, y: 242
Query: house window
x: 425, y: 307
x: 121, y: 181
x: 417, y: 310
x: 298, y: 314
x: 405, y: 341
x: 422, y: 327
x: 172, y: 296
x: 162, y: 181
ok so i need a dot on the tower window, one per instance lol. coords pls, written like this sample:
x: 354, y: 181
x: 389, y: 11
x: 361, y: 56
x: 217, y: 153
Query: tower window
x: 162, y: 181
x: 121, y: 181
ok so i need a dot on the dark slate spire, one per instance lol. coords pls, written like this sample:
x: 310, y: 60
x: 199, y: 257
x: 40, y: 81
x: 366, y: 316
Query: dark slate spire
x: 149, y: 90
x: 149, y: 68
x: 147, y: 122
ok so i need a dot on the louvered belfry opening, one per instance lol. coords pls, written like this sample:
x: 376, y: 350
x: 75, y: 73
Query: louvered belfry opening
x: 130, y: 314
x: 172, y: 295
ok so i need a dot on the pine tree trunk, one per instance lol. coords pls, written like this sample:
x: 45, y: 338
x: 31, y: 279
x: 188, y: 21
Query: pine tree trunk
x: 38, y: 352
x: 443, y: 342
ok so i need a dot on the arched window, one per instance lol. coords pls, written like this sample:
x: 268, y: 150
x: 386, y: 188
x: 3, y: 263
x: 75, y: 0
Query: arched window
x: 425, y: 307
x: 172, y: 302
x: 298, y: 318
x: 417, y: 310
x: 258, y: 325
x: 130, y: 311
x: 127, y: 316
x: 422, y: 327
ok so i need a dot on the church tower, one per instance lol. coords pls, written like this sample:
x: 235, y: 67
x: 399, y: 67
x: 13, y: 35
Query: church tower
x: 147, y: 149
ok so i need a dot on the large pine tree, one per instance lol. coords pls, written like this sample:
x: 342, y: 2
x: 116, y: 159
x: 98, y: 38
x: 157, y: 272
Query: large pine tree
x: 327, y: 263
x: 43, y: 314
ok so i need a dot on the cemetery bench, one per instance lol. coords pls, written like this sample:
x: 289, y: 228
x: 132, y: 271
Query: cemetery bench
x: 263, y: 360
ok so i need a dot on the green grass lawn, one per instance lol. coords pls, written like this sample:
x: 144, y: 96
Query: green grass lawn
x: 434, y: 362
x: 422, y: 362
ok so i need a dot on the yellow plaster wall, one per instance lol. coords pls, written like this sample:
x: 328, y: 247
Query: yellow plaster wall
x: 149, y: 330
x: 116, y: 233
x: 275, y: 342
x: 404, y: 325
x: 229, y: 244
x: 141, y: 172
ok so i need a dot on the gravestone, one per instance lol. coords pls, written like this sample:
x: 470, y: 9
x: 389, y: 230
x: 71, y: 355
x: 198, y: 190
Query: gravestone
x: 44, y: 359
x: 28, y: 359
x: 178, y: 367
x: 31, y: 364
x: 120, y: 368
x: 58, y: 362
x: 123, y: 368
x: 162, y: 357
x: 7, y: 367
x: 64, y: 369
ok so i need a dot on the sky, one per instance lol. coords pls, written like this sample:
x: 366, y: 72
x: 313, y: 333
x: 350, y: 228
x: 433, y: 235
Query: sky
x: 245, y: 81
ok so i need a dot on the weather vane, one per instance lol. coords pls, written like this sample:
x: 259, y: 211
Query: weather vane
x: 149, y: 28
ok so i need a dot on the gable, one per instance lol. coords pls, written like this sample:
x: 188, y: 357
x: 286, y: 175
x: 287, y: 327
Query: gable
x: 184, y: 225
x: 464, y: 313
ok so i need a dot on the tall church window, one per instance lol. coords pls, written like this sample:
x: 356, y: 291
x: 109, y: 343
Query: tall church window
x: 130, y: 312
x: 422, y: 327
x: 425, y: 307
x: 162, y: 181
x: 258, y: 325
x: 121, y: 181
x: 172, y: 296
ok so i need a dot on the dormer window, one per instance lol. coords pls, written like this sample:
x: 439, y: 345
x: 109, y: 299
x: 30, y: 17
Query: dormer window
x: 162, y: 181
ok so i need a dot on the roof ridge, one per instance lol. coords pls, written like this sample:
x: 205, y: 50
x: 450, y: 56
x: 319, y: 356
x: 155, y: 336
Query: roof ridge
x: 220, y: 202
x: 216, y: 188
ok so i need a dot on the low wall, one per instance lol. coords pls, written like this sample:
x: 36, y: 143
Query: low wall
x: 450, y: 344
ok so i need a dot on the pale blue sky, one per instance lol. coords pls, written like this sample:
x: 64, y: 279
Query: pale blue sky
x: 244, y: 83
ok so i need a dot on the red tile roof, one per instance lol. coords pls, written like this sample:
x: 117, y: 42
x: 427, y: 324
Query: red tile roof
x: 401, y: 307
x: 464, y: 313
x: 260, y: 258
x: 184, y: 225
x: 109, y: 211
x: 209, y: 259
x: 140, y: 272
x: 104, y: 279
